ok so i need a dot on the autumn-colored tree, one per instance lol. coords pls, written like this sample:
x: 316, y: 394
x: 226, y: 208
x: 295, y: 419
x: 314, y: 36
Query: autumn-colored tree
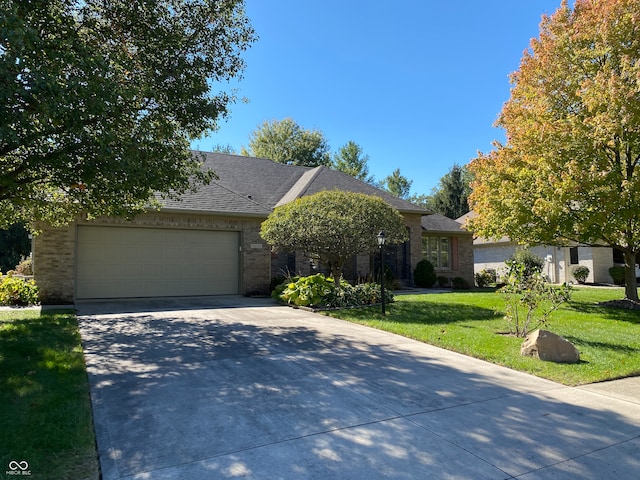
x: 284, y: 141
x: 100, y: 100
x: 334, y: 225
x: 570, y: 168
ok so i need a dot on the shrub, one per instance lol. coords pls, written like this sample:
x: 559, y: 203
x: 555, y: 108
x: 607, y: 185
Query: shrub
x: 443, y: 281
x: 460, y: 283
x: 17, y: 291
x: 530, y: 300
x: 319, y: 291
x: 424, y: 274
x: 25, y: 267
x: 580, y: 273
x: 486, y: 278
x: 307, y: 291
x: 617, y: 274
x: 531, y: 263
x: 363, y: 294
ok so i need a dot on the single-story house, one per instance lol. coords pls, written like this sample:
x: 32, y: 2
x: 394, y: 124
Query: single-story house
x: 208, y: 242
x: 448, y: 246
x: 560, y: 261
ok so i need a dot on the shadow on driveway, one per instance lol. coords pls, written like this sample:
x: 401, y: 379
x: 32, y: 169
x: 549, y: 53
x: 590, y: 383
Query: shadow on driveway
x: 268, y: 392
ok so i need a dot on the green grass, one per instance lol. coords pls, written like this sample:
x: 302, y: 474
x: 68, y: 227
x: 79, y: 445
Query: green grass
x: 45, y: 417
x: 472, y: 323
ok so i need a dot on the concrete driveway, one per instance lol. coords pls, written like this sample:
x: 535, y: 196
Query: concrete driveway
x: 230, y: 387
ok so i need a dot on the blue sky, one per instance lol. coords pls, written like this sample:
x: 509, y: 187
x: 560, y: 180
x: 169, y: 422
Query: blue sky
x: 417, y: 84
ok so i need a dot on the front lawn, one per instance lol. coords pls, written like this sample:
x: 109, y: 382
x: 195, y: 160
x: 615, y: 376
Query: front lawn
x: 472, y: 323
x: 45, y: 418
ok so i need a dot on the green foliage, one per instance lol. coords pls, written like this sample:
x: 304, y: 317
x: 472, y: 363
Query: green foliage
x: 485, y: 278
x: 529, y: 299
x: 443, y: 281
x: 101, y: 101
x: 351, y: 160
x: 17, y: 291
x: 45, y: 393
x: 397, y: 184
x: 580, y: 273
x: 450, y: 197
x: 363, y: 294
x: 617, y: 273
x: 319, y: 291
x: 284, y: 141
x: 460, y: 283
x: 307, y: 291
x: 424, y: 275
x: 333, y: 225
x: 528, y: 261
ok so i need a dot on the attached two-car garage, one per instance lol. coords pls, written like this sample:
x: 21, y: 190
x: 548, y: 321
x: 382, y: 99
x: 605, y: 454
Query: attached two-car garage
x: 128, y: 262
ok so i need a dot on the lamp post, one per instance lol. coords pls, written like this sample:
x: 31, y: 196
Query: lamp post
x: 381, y: 240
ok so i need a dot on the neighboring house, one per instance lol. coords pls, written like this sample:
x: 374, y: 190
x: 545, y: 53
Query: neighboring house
x: 209, y: 242
x: 559, y: 261
x: 448, y: 246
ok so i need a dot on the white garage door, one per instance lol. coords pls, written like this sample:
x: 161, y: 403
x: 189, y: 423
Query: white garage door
x: 121, y: 262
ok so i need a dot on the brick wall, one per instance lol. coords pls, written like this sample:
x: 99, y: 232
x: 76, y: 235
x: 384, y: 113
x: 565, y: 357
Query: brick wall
x: 55, y: 250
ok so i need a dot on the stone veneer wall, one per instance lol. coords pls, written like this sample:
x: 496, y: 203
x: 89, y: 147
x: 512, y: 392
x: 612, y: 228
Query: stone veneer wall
x: 55, y: 250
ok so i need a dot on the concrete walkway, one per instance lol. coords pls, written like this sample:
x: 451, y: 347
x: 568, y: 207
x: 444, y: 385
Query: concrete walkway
x: 230, y: 387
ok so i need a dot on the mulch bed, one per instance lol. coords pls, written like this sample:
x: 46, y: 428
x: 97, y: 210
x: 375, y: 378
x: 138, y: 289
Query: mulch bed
x: 625, y: 303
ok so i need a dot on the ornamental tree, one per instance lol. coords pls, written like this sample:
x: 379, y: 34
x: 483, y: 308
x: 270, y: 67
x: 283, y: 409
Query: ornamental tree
x: 100, y: 100
x: 334, y: 226
x: 569, y: 171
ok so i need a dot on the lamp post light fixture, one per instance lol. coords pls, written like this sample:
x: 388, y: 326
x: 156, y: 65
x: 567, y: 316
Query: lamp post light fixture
x: 381, y: 241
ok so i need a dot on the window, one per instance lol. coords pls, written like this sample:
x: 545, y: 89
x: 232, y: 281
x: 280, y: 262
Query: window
x: 573, y: 255
x: 437, y: 250
x: 618, y: 256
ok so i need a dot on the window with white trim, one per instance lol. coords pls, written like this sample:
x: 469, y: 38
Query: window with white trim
x: 437, y: 250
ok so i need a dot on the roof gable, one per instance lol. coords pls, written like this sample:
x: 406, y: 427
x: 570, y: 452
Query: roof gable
x: 255, y: 186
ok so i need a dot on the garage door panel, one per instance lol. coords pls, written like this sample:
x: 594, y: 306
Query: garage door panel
x: 120, y: 262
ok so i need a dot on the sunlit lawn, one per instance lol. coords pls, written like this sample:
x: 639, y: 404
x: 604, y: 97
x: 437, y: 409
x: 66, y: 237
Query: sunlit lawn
x: 45, y: 418
x: 472, y: 323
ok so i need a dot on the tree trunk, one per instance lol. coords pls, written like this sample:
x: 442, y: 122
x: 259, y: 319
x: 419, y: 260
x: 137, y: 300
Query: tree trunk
x: 631, y: 284
x: 336, y: 273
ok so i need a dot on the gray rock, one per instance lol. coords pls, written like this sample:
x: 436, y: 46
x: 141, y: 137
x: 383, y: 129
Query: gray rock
x: 550, y: 347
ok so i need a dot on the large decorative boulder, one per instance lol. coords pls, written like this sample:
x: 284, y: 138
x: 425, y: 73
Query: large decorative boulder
x: 550, y: 347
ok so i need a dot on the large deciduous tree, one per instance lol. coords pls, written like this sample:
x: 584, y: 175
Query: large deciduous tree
x: 334, y: 226
x: 284, y: 141
x: 569, y: 170
x: 100, y: 100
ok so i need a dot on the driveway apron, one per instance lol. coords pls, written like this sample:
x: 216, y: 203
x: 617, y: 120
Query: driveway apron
x: 229, y: 387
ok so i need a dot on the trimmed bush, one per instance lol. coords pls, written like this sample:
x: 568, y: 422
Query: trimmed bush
x: 617, y: 274
x: 424, y: 274
x: 460, y: 283
x: 580, y: 273
x: 485, y: 278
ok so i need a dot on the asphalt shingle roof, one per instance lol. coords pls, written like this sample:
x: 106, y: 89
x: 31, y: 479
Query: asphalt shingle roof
x: 255, y: 186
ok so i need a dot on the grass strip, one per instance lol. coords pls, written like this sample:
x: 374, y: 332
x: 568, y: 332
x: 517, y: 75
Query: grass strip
x: 46, y: 418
